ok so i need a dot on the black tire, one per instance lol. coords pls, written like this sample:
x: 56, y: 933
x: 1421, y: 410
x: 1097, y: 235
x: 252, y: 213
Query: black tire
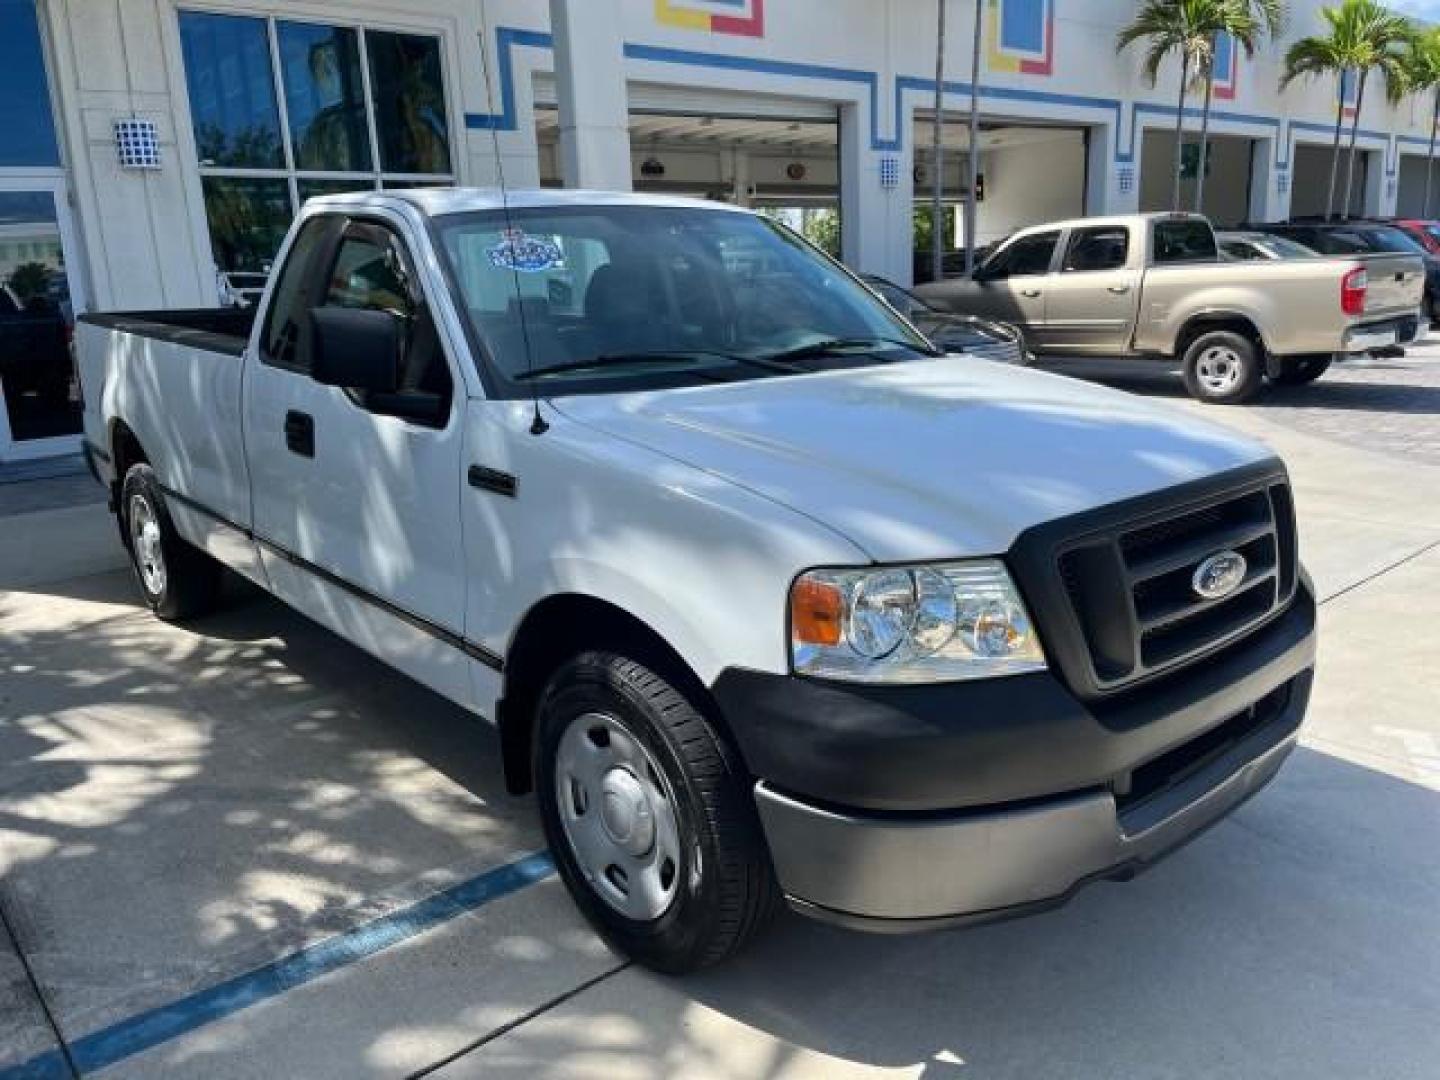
x: 724, y: 889
x: 1232, y: 352
x: 1300, y: 370
x: 191, y: 579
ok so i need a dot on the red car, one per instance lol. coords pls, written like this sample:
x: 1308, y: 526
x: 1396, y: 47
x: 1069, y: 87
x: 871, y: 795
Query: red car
x: 1426, y: 232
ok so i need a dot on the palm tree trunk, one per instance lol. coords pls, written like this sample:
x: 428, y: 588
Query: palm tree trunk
x: 1180, y: 130
x: 937, y: 199
x: 1430, y: 156
x: 1354, y: 131
x: 971, y: 209
x: 1204, y: 140
x: 1335, y: 148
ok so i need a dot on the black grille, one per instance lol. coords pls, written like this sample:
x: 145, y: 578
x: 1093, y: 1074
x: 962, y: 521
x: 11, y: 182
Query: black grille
x: 1168, y: 770
x: 1130, y: 584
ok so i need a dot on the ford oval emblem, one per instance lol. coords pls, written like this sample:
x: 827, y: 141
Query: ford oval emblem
x: 1219, y: 575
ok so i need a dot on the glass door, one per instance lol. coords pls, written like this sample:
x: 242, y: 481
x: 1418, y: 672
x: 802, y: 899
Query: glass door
x: 39, y: 297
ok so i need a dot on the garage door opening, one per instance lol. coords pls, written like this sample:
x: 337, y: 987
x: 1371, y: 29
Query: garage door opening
x: 1310, y: 183
x: 774, y: 155
x: 1028, y: 174
x: 1410, y: 194
x: 1229, y: 170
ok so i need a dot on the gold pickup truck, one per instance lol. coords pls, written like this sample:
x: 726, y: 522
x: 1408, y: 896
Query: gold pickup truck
x: 1154, y: 286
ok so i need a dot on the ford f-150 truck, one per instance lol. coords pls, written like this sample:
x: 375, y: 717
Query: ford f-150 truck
x: 1154, y: 286
x: 766, y: 597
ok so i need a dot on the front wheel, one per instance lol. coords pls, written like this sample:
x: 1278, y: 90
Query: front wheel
x: 1300, y: 370
x: 649, y: 816
x: 1222, y: 367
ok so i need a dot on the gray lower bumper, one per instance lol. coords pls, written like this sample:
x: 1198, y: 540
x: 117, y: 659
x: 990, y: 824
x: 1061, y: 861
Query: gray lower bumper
x: 896, y: 874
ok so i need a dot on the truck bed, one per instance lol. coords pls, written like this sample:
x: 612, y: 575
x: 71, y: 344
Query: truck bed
x: 222, y: 330
x: 176, y: 378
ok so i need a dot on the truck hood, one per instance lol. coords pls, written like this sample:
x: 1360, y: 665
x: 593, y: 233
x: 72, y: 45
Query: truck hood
x: 927, y: 459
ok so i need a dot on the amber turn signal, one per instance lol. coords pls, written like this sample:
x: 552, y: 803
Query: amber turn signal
x: 815, y: 612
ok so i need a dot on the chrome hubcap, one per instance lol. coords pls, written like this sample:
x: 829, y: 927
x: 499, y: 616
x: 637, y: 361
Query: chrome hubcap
x: 1219, y: 368
x: 618, y: 815
x: 145, y: 543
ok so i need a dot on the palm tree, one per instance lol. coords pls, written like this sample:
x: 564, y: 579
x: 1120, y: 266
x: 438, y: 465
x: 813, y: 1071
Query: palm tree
x: 1245, y: 21
x: 1362, y: 36
x: 1187, y: 27
x: 1422, y: 74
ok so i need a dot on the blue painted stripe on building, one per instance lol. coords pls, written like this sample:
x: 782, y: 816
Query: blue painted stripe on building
x: 506, y: 38
x: 126, y: 1038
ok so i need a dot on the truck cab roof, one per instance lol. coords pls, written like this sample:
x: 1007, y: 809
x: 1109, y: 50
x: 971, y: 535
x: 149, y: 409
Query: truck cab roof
x: 436, y: 202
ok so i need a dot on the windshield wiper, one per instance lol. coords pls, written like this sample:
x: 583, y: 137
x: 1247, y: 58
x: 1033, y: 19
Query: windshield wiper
x: 840, y: 346
x: 638, y: 359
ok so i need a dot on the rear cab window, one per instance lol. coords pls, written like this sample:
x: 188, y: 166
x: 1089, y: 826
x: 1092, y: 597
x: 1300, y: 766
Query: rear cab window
x: 1184, y: 240
x: 285, y: 340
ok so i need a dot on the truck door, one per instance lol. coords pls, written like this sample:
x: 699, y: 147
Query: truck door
x: 1012, y: 286
x: 356, y: 493
x: 1091, y: 306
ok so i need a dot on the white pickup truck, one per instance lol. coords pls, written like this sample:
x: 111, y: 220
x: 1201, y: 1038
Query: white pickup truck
x: 765, y: 596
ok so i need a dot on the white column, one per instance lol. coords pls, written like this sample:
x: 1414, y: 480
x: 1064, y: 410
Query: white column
x: 1111, y: 187
x: 876, y: 226
x: 590, y: 81
x: 1267, y: 201
x: 144, y: 230
x: 1381, y: 191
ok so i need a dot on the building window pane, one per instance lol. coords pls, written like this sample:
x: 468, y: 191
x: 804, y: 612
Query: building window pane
x: 37, y: 370
x: 29, y: 124
x: 309, y: 189
x: 232, y: 91
x: 324, y: 97
x: 410, y: 119
x: 248, y: 219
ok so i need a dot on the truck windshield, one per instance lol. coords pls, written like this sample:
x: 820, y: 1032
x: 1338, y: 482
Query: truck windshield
x: 591, y: 299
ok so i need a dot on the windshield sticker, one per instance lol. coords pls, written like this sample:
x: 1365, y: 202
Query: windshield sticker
x: 525, y: 254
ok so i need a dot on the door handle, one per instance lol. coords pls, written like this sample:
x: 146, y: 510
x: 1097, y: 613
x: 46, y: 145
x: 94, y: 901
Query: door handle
x: 1032, y: 293
x: 1118, y: 290
x: 300, y: 433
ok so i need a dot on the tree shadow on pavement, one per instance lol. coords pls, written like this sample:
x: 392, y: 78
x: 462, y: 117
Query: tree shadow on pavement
x: 1300, y: 938
x: 178, y: 805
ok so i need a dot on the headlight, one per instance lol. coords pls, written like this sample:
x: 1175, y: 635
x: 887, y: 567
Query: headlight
x: 911, y: 624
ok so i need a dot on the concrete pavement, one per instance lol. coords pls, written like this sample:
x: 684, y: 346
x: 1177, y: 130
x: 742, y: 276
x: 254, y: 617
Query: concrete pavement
x: 182, y: 807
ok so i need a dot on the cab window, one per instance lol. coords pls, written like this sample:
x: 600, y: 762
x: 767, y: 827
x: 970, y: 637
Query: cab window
x: 1099, y: 248
x: 1183, y: 241
x: 1027, y: 255
x: 370, y: 271
x: 286, y: 341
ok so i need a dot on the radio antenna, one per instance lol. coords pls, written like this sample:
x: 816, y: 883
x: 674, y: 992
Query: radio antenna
x: 538, y: 424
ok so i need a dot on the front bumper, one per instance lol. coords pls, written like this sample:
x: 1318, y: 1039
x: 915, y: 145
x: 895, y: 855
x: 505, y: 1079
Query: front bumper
x: 903, y: 808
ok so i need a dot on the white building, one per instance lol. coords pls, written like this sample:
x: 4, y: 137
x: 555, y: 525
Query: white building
x: 802, y: 104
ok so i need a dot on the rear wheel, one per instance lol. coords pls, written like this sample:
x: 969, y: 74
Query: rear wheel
x: 177, y: 579
x: 1222, y: 367
x: 649, y: 815
x: 1299, y: 370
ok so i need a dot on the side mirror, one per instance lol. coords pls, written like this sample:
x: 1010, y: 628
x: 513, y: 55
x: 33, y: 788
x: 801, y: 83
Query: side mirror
x: 981, y: 274
x: 356, y: 349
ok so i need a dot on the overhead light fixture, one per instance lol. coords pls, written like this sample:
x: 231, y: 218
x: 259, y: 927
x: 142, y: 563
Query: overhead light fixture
x: 652, y: 166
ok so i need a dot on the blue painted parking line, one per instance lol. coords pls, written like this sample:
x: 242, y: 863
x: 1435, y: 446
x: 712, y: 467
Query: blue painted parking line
x: 126, y: 1038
